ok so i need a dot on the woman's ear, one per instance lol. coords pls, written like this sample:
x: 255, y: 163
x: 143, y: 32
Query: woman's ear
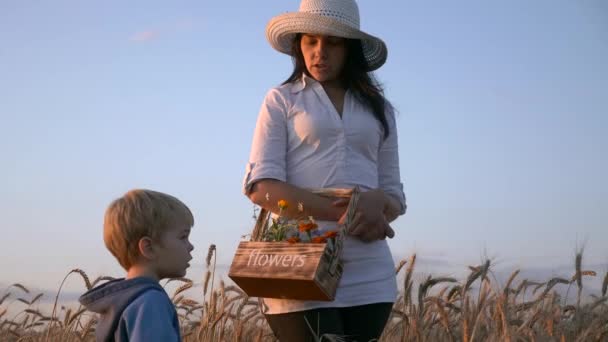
x: 146, y: 247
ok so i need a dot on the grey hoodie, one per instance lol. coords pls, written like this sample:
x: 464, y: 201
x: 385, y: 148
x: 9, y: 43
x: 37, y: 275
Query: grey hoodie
x: 135, y: 309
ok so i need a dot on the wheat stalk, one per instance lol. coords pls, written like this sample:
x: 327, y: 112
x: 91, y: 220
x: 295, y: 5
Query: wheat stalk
x: 100, y: 279
x: 400, y: 266
x: 20, y: 286
x: 182, y: 288
x: 604, y: 285
x: 87, y: 283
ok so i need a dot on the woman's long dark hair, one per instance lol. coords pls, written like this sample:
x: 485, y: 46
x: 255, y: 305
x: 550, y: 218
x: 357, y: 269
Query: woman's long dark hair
x: 354, y: 76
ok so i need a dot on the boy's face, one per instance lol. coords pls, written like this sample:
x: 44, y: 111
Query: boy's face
x: 173, y: 252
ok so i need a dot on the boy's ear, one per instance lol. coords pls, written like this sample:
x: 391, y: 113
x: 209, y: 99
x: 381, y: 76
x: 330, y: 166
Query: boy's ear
x: 146, y: 247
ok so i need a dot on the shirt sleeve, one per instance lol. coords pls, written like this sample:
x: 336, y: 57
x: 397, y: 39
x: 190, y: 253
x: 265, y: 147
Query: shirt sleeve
x: 388, y: 164
x: 151, y: 317
x: 268, y: 149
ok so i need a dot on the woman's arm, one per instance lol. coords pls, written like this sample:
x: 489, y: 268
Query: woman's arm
x: 267, y: 192
x: 389, y: 175
x: 378, y: 207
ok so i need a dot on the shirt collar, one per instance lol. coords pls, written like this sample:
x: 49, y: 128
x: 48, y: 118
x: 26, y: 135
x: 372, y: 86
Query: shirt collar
x: 302, y: 83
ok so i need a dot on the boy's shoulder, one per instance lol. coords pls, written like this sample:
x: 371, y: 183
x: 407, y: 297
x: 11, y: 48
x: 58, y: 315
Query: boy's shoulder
x: 150, y: 316
x: 151, y: 298
x: 125, y: 304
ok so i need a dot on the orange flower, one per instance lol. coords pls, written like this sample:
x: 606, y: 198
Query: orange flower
x: 293, y: 239
x: 307, y: 226
x: 318, y: 239
x: 330, y: 234
x: 282, y: 204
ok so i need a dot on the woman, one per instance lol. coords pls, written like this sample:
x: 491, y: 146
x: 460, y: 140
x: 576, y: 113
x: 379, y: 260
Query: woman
x: 329, y: 126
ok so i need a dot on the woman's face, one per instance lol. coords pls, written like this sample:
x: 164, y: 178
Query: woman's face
x: 324, y: 56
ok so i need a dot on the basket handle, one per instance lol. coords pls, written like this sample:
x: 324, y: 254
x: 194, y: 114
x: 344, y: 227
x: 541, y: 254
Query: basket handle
x: 260, y: 225
x: 337, y: 252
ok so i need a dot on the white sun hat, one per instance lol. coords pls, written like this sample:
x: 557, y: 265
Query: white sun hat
x: 338, y: 18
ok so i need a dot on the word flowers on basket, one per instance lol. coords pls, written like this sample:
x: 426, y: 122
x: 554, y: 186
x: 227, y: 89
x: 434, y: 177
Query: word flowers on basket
x: 302, y: 230
x: 291, y: 257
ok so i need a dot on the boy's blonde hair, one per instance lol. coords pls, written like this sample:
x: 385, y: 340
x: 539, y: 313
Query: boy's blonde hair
x: 137, y: 214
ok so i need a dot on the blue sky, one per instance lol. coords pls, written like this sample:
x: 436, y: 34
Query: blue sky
x: 502, y: 125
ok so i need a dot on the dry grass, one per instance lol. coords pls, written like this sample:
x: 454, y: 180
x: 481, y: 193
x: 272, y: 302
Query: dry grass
x: 444, y: 309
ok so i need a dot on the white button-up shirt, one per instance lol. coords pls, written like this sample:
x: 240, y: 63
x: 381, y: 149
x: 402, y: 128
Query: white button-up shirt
x: 301, y: 139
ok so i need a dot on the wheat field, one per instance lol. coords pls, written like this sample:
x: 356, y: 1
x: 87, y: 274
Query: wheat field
x: 476, y: 308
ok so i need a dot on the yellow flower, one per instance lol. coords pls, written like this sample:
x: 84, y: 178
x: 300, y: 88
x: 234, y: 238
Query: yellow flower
x: 282, y: 204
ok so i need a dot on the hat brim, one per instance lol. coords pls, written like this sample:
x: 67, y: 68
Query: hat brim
x: 282, y: 29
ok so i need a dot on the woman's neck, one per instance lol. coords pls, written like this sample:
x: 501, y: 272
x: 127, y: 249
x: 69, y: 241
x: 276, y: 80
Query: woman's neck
x: 334, y: 85
x: 336, y: 96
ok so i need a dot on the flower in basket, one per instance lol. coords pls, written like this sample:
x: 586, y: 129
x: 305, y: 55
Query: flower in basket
x: 307, y: 227
x: 293, y: 239
x: 280, y: 227
x: 331, y: 234
x: 318, y: 239
x: 300, y: 230
x: 282, y: 204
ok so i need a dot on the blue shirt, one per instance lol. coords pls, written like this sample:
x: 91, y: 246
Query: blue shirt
x: 136, y: 309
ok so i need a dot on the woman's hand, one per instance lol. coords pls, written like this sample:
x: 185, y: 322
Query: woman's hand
x: 369, y: 221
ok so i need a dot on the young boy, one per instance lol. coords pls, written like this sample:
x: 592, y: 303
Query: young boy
x: 147, y: 231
